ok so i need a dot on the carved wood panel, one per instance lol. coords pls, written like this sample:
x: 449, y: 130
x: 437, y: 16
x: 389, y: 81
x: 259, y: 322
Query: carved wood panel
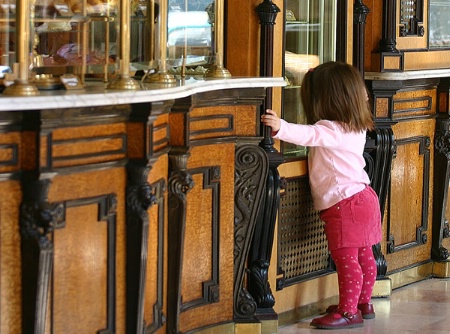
x: 408, y: 212
x: 89, y: 253
x: 206, y: 284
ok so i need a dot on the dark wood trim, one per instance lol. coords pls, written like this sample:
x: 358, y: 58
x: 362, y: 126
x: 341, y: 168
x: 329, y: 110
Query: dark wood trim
x: 341, y: 30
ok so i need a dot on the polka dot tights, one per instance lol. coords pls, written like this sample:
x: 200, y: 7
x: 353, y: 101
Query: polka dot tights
x: 357, y: 271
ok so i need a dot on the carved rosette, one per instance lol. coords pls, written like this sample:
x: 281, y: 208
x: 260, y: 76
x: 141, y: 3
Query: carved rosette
x: 251, y: 168
x: 442, y: 143
x: 140, y: 194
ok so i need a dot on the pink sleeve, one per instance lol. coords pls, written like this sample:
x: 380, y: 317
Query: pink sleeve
x: 323, y: 133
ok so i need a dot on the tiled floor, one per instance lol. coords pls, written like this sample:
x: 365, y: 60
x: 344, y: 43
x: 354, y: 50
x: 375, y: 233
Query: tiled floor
x: 422, y: 307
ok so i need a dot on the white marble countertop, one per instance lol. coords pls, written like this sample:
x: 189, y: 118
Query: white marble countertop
x: 408, y: 75
x: 97, y: 95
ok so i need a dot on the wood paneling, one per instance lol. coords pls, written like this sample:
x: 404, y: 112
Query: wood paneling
x: 10, y: 271
x: 409, y: 184
x: 81, y: 248
x: 208, y: 215
x: 241, y: 38
x: 86, y: 228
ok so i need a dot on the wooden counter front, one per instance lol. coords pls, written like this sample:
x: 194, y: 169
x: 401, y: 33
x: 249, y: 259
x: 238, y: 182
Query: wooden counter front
x: 128, y: 218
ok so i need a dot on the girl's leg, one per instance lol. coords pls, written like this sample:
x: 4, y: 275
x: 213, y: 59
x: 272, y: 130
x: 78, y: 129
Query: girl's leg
x: 350, y: 278
x: 369, y: 270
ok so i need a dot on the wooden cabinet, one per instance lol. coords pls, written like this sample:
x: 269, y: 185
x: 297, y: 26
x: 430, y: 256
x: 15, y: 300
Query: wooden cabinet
x: 129, y: 218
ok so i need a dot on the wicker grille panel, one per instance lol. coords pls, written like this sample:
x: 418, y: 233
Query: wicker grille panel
x: 302, y: 245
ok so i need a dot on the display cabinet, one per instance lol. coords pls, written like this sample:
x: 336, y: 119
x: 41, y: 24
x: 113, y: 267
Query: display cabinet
x: 75, y: 37
x: 52, y: 42
x: 310, y: 39
x: 7, y: 33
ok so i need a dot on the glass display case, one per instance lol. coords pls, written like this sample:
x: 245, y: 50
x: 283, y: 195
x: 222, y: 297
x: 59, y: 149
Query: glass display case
x: 7, y: 35
x: 75, y: 37
x: 310, y: 30
x: 190, y: 36
x: 439, y: 24
x: 101, y: 40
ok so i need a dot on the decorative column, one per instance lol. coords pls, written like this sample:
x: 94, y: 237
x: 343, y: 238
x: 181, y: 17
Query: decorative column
x: 162, y: 76
x: 21, y: 85
x: 140, y: 197
x: 218, y: 70
x: 179, y: 184
x: 440, y: 227
x: 390, y: 59
x: 123, y: 80
x: 261, y: 248
x: 388, y: 41
x: 360, y: 12
x: 379, y: 152
x: 37, y: 220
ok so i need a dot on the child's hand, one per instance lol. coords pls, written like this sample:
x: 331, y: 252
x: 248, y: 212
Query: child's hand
x: 271, y: 119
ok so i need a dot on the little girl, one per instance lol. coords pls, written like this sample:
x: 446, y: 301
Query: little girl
x: 336, y: 105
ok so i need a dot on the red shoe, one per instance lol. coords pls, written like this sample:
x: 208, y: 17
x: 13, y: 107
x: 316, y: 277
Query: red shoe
x: 338, y: 319
x: 366, y: 309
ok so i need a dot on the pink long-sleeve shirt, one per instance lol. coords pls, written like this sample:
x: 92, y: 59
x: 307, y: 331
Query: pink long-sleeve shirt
x: 335, y: 160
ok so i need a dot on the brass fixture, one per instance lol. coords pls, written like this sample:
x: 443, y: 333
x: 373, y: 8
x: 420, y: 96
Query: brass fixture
x: 217, y: 70
x: 123, y: 80
x: 162, y: 76
x: 21, y: 85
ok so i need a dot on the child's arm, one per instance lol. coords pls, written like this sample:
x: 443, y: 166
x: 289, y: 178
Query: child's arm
x: 323, y: 133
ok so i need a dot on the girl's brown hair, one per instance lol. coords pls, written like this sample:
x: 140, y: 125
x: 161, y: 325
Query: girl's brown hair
x: 335, y: 91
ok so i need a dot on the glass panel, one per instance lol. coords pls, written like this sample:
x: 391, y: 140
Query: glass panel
x: 310, y: 40
x: 7, y: 36
x: 190, y: 35
x: 76, y: 37
x: 439, y: 22
x: 143, y: 40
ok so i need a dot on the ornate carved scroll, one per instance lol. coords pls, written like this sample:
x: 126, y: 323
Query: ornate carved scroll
x: 379, y: 151
x: 261, y: 248
x: 251, y: 166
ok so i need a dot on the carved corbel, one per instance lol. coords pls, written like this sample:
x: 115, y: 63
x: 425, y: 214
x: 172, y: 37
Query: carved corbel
x: 37, y: 220
x: 180, y: 183
x: 251, y: 167
x: 440, y: 188
x: 140, y: 197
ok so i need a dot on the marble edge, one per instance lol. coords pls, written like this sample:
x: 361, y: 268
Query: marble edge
x: 407, y: 75
x: 101, y: 97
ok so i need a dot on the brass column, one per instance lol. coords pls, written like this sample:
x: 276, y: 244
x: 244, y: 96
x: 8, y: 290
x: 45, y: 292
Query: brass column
x: 123, y: 80
x: 21, y: 85
x: 218, y: 70
x: 162, y: 77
